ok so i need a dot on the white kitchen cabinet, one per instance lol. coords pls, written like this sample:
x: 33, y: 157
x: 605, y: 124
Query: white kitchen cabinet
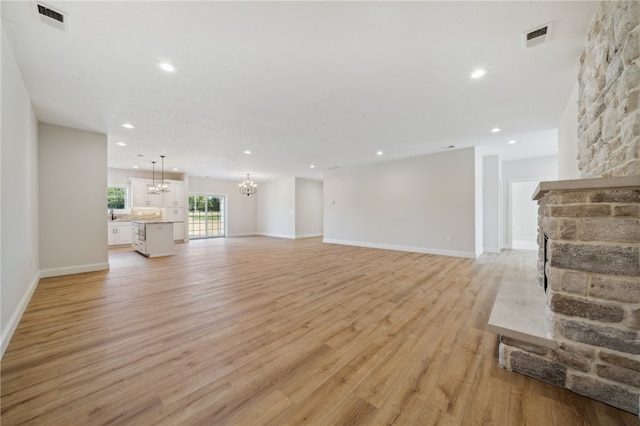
x: 178, y: 231
x: 175, y: 196
x: 176, y: 215
x: 119, y: 233
x: 139, y: 196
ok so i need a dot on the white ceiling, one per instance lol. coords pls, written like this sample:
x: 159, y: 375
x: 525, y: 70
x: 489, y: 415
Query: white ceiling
x: 300, y: 83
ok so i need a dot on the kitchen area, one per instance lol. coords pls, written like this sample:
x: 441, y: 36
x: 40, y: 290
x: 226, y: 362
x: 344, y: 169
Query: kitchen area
x: 148, y: 220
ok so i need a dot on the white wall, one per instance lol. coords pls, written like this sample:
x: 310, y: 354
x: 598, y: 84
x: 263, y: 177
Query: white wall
x: 241, y: 210
x: 479, y: 195
x: 538, y: 169
x: 308, y: 208
x: 568, y: 139
x: 491, y: 172
x: 524, y: 215
x: 413, y: 204
x: 276, y: 208
x: 19, y: 260
x: 72, y: 200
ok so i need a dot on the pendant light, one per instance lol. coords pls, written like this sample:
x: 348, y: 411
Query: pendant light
x: 163, y: 186
x: 153, y: 189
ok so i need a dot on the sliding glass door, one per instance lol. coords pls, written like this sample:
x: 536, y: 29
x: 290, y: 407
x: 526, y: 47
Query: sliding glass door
x: 206, y: 216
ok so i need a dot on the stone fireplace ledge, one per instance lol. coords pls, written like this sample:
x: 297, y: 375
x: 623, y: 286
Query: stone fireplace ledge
x: 608, y: 183
x: 520, y: 312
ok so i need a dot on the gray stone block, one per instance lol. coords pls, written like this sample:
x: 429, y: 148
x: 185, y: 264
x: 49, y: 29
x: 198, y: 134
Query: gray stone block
x: 528, y: 347
x: 571, y: 360
x: 579, y: 210
x: 634, y: 319
x: 567, y: 229
x: 553, y: 278
x: 599, y: 258
x: 621, y: 361
x: 627, y: 211
x: 607, y: 392
x: 609, y: 229
x: 600, y: 335
x: 631, y: 49
x: 625, y: 290
x: 574, y: 282
x: 586, y: 308
x: 584, y: 351
x: 615, y: 196
x: 619, y: 374
x: 550, y: 227
x: 568, y: 197
x: 538, y: 368
x: 629, y: 129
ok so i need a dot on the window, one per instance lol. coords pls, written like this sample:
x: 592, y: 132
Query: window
x: 206, y: 216
x: 116, y: 198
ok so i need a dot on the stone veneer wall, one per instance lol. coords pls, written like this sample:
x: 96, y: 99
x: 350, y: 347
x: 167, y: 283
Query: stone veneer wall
x: 609, y: 93
x: 593, y: 297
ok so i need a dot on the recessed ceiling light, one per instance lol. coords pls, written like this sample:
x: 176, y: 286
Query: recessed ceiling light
x: 379, y: 153
x: 247, y: 152
x: 121, y: 144
x: 478, y: 73
x: 128, y: 125
x: 495, y: 130
x: 312, y: 166
x: 175, y: 169
x: 511, y: 142
x: 166, y: 66
x: 135, y: 167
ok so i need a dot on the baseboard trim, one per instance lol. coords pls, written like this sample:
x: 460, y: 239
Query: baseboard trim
x: 309, y: 235
x: 68, y: 270
x: 11, y: 326
x: 425, y: 250
x: 242, y: 234
x: 262, y: 234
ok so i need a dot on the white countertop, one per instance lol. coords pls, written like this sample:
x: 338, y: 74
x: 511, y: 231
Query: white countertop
x: 152, y: 221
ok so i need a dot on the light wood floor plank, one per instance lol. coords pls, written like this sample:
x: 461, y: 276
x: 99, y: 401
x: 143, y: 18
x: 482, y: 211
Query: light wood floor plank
x: 263, y: 331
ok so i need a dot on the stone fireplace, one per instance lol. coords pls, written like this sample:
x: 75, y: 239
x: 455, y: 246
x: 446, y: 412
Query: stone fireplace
x: 578, y: 327
x: 589, y: 258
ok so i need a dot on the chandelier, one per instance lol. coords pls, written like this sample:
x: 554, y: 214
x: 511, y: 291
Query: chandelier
x: 152, y: 188
x: 248, y: 186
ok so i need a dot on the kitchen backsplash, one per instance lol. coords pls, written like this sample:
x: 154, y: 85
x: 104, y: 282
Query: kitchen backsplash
x: 139, y: 213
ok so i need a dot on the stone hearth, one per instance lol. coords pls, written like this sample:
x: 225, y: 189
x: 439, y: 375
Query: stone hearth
x: 589, y: 263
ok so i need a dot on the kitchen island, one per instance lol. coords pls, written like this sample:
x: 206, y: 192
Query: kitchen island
x: 153, y: 238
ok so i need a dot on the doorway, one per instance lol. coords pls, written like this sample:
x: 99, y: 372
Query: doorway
x: 206, y: 216
x: 523, y: 214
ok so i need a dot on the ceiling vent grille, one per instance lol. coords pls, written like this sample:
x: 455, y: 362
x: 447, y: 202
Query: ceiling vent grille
x: 537, y: 36
x: 53, y: 17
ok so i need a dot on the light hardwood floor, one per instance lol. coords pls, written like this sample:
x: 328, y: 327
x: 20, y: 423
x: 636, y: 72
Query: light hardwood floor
x: 256, y: 330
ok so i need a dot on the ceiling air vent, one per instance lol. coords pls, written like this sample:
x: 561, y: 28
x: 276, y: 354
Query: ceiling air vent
x: 53, y: 17
x: 536, y: 36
